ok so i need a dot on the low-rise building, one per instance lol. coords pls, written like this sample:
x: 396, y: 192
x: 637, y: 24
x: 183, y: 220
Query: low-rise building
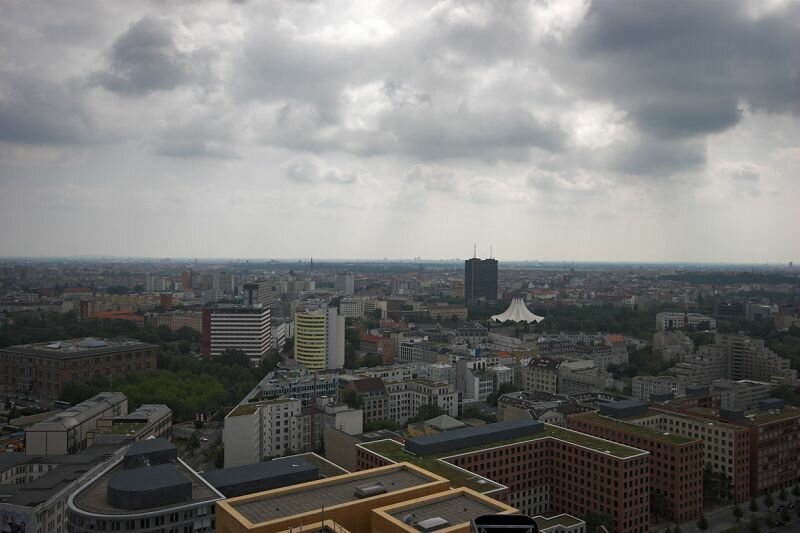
x: 541, y: 374
x: 45, y: 368
x: 347, y: 500
x: 71, y: 430
x: 36, y: 488
x: 644, y: 386
x: 676, y: 320
x: 147, y: 489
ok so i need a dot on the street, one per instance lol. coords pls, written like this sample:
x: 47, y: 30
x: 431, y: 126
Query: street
x: 722, y: 519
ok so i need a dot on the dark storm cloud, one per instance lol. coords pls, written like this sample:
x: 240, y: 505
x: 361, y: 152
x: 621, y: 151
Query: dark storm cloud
x: 146, y: 58
x: 36, y: 111
x: 682, y: 68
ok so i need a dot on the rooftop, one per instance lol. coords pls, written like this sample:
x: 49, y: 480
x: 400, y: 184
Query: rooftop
x: 394, y: 451
x: 669, y: 438
x: 68, y: 469
x: 307, y: 497
x: 564, y: 520
x: 78, y: 347
x: 458, y: 507
x: 77, y: 414
x: 754, y: 417
x: 93, y: 498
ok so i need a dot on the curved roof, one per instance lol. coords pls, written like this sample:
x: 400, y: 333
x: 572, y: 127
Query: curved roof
x: 517, y: 312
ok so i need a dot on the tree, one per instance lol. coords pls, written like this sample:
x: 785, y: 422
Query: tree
x: 677, y: 529
x: 233, y: 356
x: 785, y: 515
x: 769, y: 501
x: 193, y: 443
x: 796, y: 491
x: 783, y: 495
x: 426, y: 412
x: 595, y: 520
x: 716, y: 487
x: 753, y: 505
x: 702, y: 523
x: 659, y: 506
x: 753, y: 525
x: 737, y: 513
x: 504, y: 388
x: 352, y: 398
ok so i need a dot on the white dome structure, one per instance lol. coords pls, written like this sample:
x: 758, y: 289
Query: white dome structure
x: 517, y: 312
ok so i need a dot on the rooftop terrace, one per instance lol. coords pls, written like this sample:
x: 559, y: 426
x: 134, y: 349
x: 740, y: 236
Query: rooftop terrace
x: 394, y: 451
x: 754, y: 417
x: 622, y: 425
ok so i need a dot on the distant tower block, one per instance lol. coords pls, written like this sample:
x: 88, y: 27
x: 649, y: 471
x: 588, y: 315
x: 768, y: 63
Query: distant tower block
x: 480, y: 279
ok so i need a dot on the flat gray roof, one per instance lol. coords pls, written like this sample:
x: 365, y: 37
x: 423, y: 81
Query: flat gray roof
x: 94, y: 497
x: 455, y: 510
x: 68, y: 349
x: 327, y: 494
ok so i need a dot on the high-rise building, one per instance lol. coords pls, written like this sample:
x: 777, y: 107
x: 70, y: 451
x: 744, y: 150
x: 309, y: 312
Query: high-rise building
x: 259, y: 292
x: 345, y: 282
x: 240, y: 327
x: 480, y: 279
x: 319, y: 339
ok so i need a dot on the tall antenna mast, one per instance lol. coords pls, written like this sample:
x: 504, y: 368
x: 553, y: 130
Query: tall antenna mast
x: 474, y: 250
x: 490, y: 252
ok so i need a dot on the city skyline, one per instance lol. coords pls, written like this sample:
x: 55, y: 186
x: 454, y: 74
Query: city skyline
x: 586, y: 131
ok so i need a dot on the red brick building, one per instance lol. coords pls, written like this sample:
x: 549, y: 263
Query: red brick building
x: 555, y: 471
x: 43, y: 369
x: 676, y: 462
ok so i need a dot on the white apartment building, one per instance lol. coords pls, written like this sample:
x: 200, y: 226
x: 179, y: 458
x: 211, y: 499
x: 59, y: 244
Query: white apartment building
x: 270, y: 428
x: 643, y: 386
x: 752, y: 359
x: 345, y: 282
x: 278, y: 328
x: 743, y: 394
x: 240, y: 327
x: 404, y: 398
x: 356, y: 307
x: 675, y: 320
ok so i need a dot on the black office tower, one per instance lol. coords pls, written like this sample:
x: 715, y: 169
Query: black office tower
x: 480, y: 279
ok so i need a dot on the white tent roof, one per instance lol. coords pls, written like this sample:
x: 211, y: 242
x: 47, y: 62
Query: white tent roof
x: 517, y: 312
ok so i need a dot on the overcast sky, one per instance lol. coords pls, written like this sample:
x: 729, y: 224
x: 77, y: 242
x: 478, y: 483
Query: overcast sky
x: 554, y: 130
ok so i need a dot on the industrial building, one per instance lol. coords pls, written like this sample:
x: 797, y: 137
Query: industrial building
x: 70, y: 431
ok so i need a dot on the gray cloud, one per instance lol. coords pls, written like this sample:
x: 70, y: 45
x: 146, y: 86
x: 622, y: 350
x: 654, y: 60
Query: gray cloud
x: 682, y: 68
x: 37, y: 111
x: 312, y: 170
x: 553, y: 107
x: 657, y: 157
x: 146, y: 58
x: 193, y: 149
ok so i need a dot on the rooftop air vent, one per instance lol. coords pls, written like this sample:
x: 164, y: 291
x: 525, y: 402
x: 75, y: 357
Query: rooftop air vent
x: 432, y: 524
x: 366, y: 491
